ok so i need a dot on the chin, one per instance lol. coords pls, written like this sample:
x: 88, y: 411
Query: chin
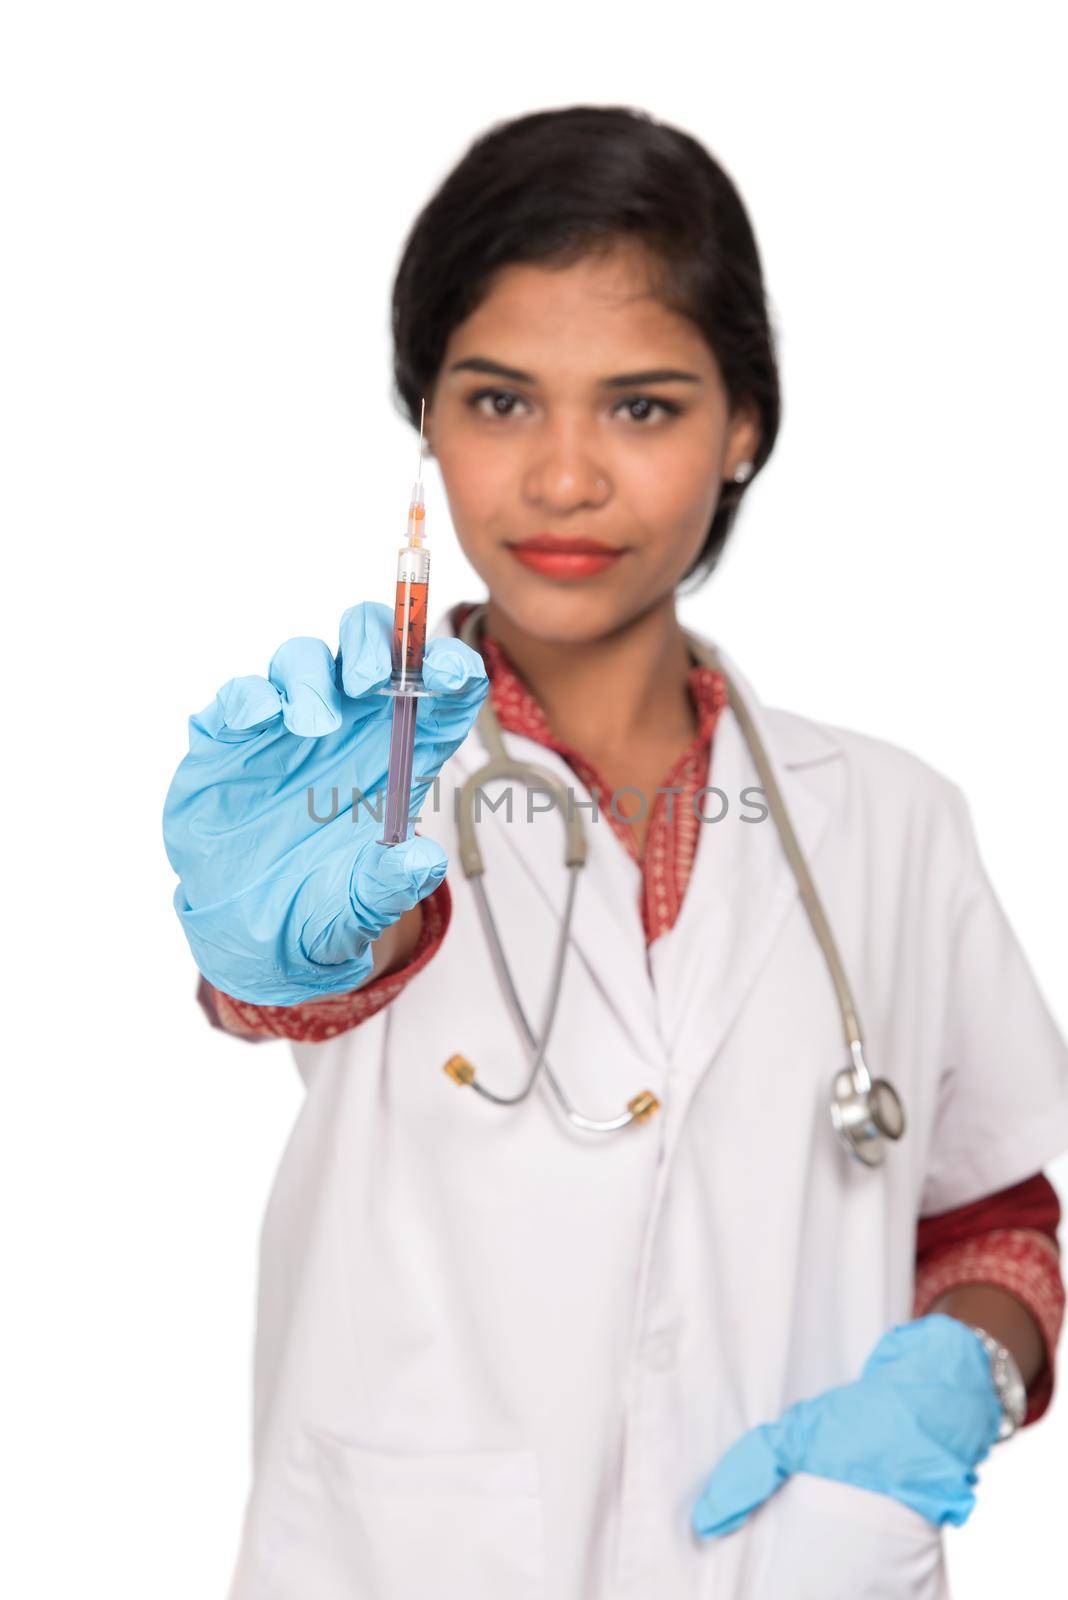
x: 566, y: 613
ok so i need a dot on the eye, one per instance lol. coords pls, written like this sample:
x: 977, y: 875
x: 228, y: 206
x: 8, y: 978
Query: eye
x: 503, y: 405
x: 647, y: 400
x: 474, y: 401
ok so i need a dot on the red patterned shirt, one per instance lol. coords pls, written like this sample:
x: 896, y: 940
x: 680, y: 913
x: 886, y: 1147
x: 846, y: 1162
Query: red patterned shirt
x: 1008, y: 1239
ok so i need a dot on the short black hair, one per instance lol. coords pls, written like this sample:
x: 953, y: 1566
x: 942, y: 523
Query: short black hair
x: 558, y: 185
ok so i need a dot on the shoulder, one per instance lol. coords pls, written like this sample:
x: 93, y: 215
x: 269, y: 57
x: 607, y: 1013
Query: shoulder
x: 805, y: 742
x: 802, y: 741
x: 874, y: 774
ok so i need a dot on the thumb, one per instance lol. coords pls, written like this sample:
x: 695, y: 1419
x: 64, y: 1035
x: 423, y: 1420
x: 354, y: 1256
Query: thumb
x: 388, y: 880
x: 752, y: 1469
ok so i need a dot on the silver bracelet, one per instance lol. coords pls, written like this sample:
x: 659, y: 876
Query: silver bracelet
x: 1008, y: 1382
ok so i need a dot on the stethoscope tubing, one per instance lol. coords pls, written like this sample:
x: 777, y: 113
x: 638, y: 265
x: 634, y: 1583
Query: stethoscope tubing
x: 864, y: 1113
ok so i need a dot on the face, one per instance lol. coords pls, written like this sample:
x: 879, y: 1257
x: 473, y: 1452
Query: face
x: 554, y: 413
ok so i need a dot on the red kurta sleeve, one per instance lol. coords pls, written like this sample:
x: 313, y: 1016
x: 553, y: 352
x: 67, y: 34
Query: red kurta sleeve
x: 1008, y: 1240
x: 316, y: 1020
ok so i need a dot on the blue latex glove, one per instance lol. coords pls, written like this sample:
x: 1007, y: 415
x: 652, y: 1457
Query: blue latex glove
x: 279, y: 907
x: 915, y: 1424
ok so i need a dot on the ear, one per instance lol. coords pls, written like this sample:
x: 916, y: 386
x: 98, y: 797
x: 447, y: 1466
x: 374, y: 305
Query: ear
x: 743, y: 436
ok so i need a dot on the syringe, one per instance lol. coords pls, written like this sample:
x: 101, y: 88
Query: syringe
x: 409, y: 642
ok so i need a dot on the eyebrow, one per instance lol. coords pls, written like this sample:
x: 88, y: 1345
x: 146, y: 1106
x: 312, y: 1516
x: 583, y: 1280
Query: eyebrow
x: 622, y: 380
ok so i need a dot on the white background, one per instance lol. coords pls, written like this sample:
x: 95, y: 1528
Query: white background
x: 204, y: 206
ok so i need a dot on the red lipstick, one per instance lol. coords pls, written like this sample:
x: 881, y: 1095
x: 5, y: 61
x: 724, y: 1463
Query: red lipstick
x: 557, y: 556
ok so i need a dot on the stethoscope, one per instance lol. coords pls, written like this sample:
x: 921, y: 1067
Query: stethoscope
x: 865, y: 1112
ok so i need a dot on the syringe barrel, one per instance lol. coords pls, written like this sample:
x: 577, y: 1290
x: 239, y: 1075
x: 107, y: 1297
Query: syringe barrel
x: 413, y: 559
x: 399, y: 780
x: 410, y: 613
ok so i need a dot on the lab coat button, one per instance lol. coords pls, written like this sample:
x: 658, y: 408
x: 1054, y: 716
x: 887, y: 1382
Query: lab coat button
x: 660, y: 1351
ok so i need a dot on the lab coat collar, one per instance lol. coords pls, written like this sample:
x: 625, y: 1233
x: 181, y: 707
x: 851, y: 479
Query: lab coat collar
x: 792, y: 741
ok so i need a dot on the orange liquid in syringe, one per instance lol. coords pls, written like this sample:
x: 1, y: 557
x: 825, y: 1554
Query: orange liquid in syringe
x: 410, y: 660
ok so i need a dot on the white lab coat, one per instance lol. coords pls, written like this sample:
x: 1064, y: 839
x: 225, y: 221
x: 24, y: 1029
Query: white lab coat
x: 498, y: 1357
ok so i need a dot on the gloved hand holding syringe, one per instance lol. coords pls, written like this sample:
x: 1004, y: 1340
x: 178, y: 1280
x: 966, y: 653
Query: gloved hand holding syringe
x: 285, y: 886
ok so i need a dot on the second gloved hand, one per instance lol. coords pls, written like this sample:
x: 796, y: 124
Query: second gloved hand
x: 916, y: 1423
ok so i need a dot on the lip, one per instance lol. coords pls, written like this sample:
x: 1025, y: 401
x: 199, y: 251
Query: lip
x: 564, y: 563
x: 565, y: 545
x: 555, y: 555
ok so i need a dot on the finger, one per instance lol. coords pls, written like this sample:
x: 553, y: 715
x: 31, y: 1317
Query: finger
x: 247, y: 702
x: 388, y: 880
x: 744, y: 1478
x: 365, y: 647
x: 242, y: 706
x: 353, y: 901
x: 452, y: 668
x: 302, y: 670
x: 457, y: 675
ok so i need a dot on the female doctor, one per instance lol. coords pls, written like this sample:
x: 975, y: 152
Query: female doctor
x: 642, y: 1321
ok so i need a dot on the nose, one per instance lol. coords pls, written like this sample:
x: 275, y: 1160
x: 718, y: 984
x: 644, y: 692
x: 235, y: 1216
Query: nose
x: 564, y: 473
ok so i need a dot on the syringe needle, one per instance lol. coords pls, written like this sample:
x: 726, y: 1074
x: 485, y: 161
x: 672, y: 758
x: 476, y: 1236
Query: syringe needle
x: 419, y: 472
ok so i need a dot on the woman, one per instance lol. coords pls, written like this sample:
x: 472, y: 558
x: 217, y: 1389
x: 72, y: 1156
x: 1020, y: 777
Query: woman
x: 708, y: 1354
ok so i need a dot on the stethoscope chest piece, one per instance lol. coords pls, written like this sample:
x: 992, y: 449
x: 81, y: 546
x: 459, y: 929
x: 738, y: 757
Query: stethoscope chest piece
x: 865, y: 1114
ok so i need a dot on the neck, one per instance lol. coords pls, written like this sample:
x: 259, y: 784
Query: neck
x: 611, y: 692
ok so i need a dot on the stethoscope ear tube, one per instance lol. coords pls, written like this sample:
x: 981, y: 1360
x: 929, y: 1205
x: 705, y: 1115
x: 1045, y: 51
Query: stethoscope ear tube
x: 501, y: 765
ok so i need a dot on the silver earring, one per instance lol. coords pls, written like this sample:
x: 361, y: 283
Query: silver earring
x: 742, y: 472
